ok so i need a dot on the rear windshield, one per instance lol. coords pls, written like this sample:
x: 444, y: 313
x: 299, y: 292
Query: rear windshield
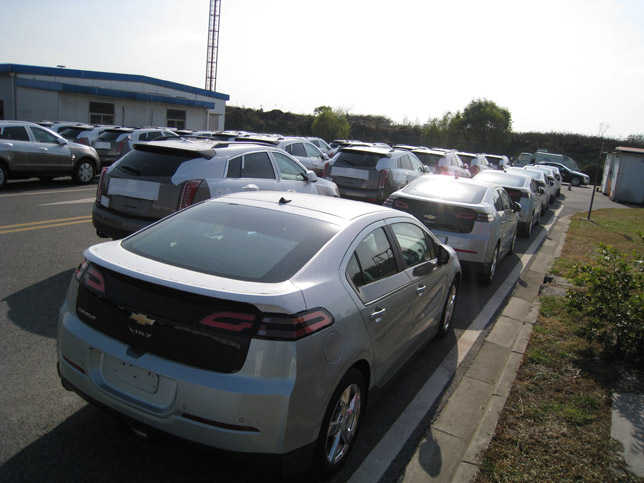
x: 234, y: 241
x: 357, y: 160
x: 142, y: 163
x: 445, y: 189
x: 110, y: 135
x: 428, y: 159
x: 502, y: 179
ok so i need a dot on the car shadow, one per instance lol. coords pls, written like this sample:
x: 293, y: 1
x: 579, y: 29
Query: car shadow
x: 35, y: 308
x: 93, y: 446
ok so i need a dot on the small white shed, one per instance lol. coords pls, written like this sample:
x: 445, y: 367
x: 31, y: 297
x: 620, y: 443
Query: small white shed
x: 623, y: 178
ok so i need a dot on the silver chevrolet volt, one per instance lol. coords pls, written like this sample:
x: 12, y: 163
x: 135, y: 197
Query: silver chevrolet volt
x: 257, y: 322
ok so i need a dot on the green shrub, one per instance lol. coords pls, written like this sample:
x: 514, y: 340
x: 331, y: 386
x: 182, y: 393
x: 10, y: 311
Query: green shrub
x: 609, y: 296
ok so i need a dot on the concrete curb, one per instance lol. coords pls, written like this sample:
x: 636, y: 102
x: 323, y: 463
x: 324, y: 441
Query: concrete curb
x: 469, y: 466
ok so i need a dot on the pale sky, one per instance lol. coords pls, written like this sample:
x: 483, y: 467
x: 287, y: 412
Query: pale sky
x: 557, y: 65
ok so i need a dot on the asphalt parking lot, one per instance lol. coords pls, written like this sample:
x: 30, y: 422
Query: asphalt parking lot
x: 49, y: 433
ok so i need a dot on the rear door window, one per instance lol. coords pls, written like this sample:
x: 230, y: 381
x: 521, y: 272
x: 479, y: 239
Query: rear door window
x: 17, y: 133
x: 296, y: 149
x: 375, y: 258
x: 257, y: 165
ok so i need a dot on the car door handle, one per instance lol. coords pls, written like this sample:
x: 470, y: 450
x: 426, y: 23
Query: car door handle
x: 43, y: 149
x: 378, y: 313
x: 420, y: 289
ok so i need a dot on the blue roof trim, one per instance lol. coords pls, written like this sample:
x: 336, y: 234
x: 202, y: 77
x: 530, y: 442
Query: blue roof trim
x: 98, y: 91
x: 88, y: 74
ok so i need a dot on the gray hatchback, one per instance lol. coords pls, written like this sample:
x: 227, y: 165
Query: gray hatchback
x: 257, y: 322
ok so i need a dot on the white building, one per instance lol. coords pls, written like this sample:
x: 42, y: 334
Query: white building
x: 32, y: 93
x: 623, y: 178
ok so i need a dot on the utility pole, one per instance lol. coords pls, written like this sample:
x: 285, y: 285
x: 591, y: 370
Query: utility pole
x: 213, y: 45
x: 603, y: 127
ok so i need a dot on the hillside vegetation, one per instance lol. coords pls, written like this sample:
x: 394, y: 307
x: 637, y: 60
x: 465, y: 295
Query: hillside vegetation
x: 482, y: 127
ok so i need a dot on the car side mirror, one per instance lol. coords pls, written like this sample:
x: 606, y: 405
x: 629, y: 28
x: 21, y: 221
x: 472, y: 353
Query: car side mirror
x: 61, y: 141
x: 325, y: 157
x: 541, y: 190
x: 443, y: 255
x: 426, y: 169
x: 311, y: 176
x: 516, y: 207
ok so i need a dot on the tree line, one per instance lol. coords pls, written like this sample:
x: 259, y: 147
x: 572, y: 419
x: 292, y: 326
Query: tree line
x: 481, y: 127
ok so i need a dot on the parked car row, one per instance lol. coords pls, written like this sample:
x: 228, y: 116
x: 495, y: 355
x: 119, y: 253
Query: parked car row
x: 250, y: 314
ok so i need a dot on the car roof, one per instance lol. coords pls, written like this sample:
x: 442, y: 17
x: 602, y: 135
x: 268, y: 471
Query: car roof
x: 336, y: 210
x: 372, y: 150
x: 206, y: 148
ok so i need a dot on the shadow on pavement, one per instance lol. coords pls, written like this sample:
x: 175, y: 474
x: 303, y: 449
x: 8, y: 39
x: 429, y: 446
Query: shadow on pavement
x: 35, y: 308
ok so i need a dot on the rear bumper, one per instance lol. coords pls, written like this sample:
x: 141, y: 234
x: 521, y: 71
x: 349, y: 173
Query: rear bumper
x: 116, y: 225
x: 243, y: 413
x: 263, y: 463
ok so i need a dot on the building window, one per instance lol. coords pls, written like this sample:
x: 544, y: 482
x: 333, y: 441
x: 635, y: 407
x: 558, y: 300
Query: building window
x: 176, y: 119
x: 101, y: 113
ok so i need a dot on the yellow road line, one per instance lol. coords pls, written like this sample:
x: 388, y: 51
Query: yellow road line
x: 37, y: 225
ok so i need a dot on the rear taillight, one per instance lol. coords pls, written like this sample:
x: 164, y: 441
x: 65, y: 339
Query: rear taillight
x: 484, y: 217
x: 229, y: 321
x: 119, y: 147
x: 400, y: 205
x: 101, y: 188
x: 384, y: 174
x: 80, y: 269
x: 325, y: 171
x: 188, y: 193
x: 293, y: 327
x: 90, y: 276
x: 84, y: 141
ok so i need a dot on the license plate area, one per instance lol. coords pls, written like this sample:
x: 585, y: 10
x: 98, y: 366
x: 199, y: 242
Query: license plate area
x: 135, y: 376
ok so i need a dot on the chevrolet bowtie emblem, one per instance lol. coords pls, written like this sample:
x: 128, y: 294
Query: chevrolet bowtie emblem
x: 142, y: 319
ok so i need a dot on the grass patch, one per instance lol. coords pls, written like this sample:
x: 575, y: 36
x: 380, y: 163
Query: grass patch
x: 556, y: 423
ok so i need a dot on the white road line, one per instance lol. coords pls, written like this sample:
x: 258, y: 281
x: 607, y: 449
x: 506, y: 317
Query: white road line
x: 381, y: 457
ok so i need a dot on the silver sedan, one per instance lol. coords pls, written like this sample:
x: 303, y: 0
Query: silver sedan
x: 256, y: 322
x: 478, y: 220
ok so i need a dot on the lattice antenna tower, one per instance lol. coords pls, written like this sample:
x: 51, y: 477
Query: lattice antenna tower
x: 213, y: 45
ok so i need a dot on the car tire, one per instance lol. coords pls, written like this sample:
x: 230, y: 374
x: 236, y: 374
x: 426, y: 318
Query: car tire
x: 3, y: 176
x: 526, y: 228
x: 84, y: 171
x: 448, y: 310
x: 340, y: 424
x: 513, y: 242
x: 489, y: 269
x: 575, y: 181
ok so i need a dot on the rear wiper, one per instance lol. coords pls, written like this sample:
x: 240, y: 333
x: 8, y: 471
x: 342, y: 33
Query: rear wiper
x: 132, y: 170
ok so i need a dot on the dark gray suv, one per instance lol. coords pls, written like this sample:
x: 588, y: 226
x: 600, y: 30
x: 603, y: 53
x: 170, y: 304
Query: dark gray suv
x: 28, y: 150
x: 369, y: 173
x: 160, y: 177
